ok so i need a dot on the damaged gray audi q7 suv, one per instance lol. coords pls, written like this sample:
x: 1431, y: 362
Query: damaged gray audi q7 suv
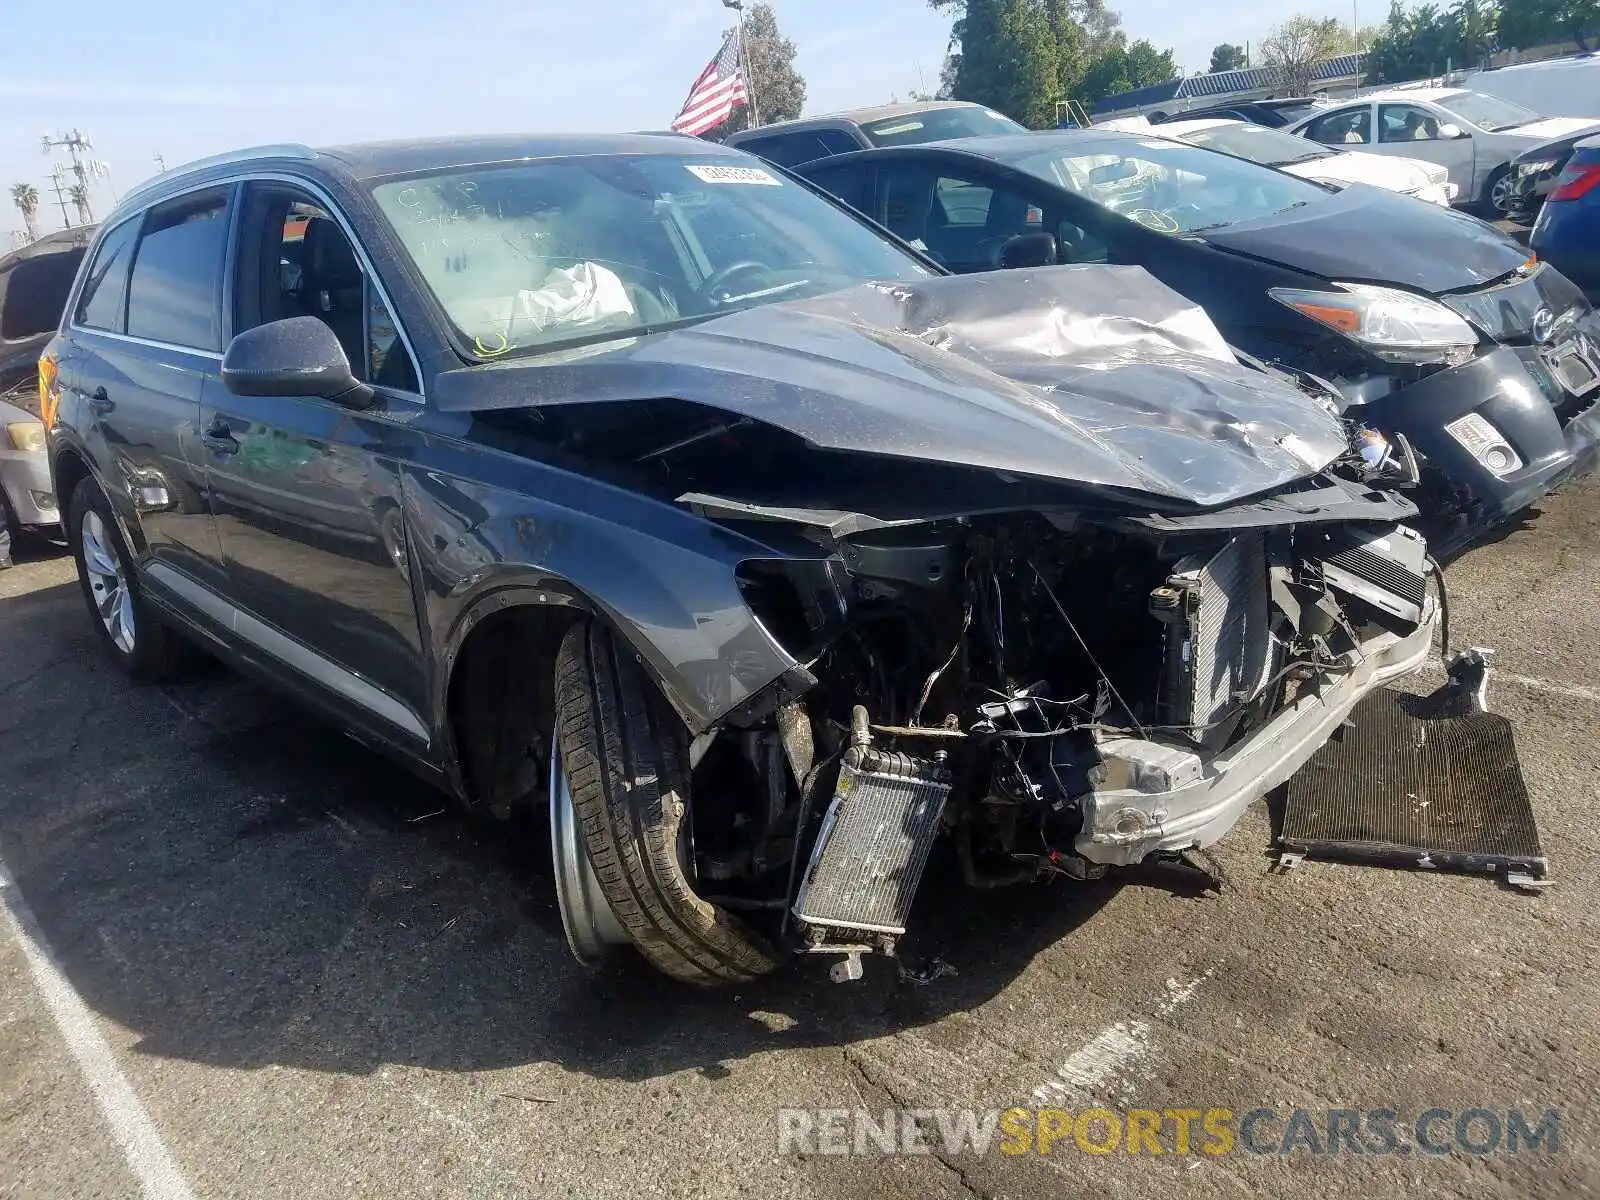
x: 633, y: 477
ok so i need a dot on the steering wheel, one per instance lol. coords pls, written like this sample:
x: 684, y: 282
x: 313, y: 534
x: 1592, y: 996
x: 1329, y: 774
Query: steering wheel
x: 1153, y: 218
x: 712, y: 290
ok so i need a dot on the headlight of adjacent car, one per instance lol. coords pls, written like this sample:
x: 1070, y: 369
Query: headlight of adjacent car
x: 26, y: 435
x: 1399, y: 326
x: 1536, y: 168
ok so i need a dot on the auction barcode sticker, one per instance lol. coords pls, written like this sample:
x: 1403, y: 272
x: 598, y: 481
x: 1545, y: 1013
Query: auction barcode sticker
x: 749, y: 175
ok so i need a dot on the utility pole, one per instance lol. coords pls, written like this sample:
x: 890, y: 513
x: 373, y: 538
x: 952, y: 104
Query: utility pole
x: 61, y: 195
x: 84, y: 168
x: 1355, y: 36
x: 744, y: 63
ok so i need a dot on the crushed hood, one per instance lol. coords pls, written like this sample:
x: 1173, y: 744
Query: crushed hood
x: 1366, y: 235
x: 1094, y: 375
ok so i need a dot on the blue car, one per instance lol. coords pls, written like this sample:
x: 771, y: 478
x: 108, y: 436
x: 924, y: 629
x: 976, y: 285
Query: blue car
x: 1567, y: 233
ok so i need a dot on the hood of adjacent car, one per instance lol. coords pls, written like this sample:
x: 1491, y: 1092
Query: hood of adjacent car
x: 1559, y: 144
x: 1391, y: 174
x: 1367, y: 235
x: 1097, y: 376
x: 1551, y: 128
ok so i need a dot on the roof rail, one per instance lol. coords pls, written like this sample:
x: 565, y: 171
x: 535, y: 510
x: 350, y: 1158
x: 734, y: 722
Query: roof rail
x: 274, y: 150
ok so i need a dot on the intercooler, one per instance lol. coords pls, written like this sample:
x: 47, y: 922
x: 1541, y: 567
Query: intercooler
x: 874, y: 842
x: 1219, y: 648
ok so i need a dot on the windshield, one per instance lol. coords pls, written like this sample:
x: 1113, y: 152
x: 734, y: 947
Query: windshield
x: 587, y: 249
x: 1487, y: 112
x: 1165, y: 186
x: 1269, y: 147
x: 936, y: 124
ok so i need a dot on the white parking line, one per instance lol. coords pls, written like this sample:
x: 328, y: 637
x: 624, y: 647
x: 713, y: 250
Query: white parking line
x: 1111, y: 1054
x: 147, y: 1155
x: 1533, y: 683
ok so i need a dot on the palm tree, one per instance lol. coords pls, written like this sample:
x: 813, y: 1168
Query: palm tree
x: 26, y: 197
x: 78, y: 193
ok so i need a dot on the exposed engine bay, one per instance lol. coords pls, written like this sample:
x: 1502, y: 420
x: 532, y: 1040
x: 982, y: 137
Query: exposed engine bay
x: 1037, y: 687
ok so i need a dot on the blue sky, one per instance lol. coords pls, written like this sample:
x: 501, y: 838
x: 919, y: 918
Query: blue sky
x: 187, y: 78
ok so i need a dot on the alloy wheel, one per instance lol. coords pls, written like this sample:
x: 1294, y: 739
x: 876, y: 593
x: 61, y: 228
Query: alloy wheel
x: 108, y: 582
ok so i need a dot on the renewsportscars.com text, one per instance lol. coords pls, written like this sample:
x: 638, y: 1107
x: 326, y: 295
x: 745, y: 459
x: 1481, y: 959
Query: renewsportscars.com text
x: 1181, y: 1131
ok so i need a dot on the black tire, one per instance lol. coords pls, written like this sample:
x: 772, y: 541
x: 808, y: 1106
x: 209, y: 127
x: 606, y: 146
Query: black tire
x: 156, y: 653
x: 626, y: 754
x: 1487, y: 209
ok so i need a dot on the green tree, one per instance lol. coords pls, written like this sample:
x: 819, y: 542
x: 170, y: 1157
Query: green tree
x: 1424, y: 40
x: 1016, y: 56
x: 1101, y: 26
x: 1528, y: 23
x: 780, y: 90
x: 78, y: 193
x: 1121, y: 69
x: 1296, y: 47
x: 1227, y: 57
x: 26, y: 197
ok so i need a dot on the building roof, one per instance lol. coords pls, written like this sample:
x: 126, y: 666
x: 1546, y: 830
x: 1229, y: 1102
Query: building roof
x: 1222, y: 83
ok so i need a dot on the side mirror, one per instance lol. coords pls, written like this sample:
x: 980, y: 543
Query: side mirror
x: 1029, y: 250
x: 1449, y: 132
x: 298, y: 356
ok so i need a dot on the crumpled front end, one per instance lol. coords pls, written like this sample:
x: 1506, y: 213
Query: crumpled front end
x: 1055, y: 692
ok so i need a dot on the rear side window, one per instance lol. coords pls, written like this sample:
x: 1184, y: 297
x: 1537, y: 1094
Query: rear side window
x: 100, y: 304
x: 177, y: 273
x: 852, y: 184
x: 792, y: 149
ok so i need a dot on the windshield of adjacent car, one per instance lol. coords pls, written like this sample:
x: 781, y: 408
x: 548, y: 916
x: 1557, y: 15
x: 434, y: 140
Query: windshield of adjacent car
x: 1487, y: 112
x: 584, y: 249
x: 937, y: 124
x: 1166, y: 186
x: 1269, y: 147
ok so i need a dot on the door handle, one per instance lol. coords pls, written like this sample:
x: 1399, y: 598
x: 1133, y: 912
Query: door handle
x: 100, y: 403
x: 219, y: 439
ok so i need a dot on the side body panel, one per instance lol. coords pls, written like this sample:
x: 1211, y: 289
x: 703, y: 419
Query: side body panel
x: 136, y: 409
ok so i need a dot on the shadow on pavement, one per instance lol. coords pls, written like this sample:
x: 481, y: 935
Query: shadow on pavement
x: 240, y: 885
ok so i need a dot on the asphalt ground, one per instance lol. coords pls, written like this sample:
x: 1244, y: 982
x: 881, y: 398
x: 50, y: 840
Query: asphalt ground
x: 241, y: 956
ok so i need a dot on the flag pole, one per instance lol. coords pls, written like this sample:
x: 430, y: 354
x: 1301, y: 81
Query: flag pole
x: 744, y: 64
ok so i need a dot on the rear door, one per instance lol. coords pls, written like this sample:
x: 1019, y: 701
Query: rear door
x: 307, y: 492
x: 147, y: 334
x: 1411, y: 131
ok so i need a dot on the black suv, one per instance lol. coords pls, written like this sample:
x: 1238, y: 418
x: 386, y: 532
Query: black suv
x: 630, y: 475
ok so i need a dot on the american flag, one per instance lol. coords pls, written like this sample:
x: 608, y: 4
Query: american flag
x: 717, y: 92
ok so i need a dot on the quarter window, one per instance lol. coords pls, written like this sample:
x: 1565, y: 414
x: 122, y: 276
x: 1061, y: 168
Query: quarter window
x: 102, y: 305
x: 173, y: 292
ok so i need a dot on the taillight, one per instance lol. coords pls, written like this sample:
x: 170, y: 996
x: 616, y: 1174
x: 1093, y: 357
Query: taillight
x: 1577, y: 180
x: 49, y: 390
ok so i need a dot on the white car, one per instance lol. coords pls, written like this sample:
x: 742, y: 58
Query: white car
x: 26, y: 500
x: 1275, y: 148
x: 1470, y: 134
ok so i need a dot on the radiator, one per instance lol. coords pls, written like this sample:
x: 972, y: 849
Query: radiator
x: 1219, y: 656
x: 874, y: 842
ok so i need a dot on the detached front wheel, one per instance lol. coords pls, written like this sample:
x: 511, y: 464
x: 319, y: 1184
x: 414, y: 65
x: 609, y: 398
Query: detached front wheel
x: 624, y: 755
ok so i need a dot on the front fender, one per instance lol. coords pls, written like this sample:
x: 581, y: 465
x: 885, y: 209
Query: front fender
x: 661, y: 577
